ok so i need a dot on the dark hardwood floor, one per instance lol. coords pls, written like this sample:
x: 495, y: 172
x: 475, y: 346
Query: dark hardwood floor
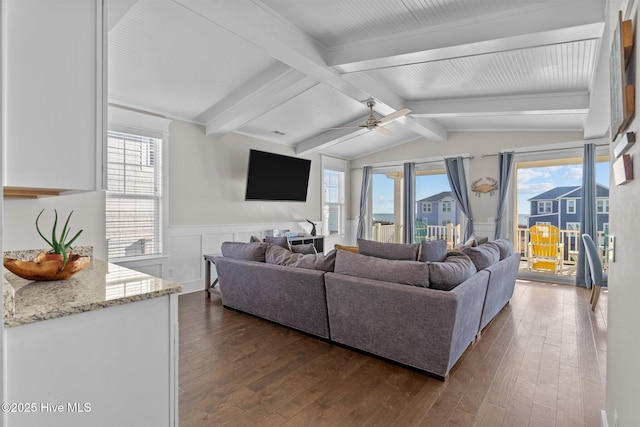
x: 541, y: 362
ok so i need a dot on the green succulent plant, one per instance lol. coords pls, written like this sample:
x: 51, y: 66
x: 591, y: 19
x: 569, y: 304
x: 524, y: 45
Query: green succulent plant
x: 59, y: 245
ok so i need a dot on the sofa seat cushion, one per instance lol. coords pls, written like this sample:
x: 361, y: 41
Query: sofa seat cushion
x: 505, y: 246
x: 483, y: 255
x: 397, y: 251
x: 247, y: 251
x: 433, y: 251
x: 412, y: 273
x: 455, y: 269
x: 280, y: 256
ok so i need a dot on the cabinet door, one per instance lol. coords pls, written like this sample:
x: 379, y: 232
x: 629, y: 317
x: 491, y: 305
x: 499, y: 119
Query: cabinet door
x: 54, y: 98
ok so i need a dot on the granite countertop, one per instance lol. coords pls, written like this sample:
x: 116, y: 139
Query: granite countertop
x: 99, y: 285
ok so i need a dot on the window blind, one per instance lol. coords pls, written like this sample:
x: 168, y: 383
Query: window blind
x: 333, y: 201
x: 134, y: 195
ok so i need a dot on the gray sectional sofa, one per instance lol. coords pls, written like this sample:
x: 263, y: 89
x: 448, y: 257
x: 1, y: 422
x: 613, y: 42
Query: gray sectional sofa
x: 418, y: 305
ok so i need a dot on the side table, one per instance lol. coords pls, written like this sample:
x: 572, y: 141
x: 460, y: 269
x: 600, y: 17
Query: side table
x: 208, y: 285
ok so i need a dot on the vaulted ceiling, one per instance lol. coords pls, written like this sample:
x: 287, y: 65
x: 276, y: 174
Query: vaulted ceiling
x: 287, y: 70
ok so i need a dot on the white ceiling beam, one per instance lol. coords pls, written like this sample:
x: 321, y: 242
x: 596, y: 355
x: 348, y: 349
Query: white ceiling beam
x: 267, y: 90
x: 262, y: 28
x: 547, y: 103
x: 328, y: 139
x: 289, y: 45
x: 548, y: 23
x: 427, y: 128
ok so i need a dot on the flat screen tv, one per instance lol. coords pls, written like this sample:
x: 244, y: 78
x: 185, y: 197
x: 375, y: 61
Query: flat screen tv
x: 277, y: 177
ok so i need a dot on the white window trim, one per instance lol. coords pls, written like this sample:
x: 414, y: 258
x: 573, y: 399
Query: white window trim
x: 133, y: 122
x: 338, y: 165
x: 575, y: 204
x: 544, y: 203
x: 572, y: 222
x: 605, y: 206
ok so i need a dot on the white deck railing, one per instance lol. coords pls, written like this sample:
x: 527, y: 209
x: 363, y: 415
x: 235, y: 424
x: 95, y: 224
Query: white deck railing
x: 392, y: 233
x: 570, y: 238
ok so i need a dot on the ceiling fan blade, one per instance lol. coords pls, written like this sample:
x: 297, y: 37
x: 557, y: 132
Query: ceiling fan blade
x: 345, y: 127
x: 394, y: 115
x: 382, y: 131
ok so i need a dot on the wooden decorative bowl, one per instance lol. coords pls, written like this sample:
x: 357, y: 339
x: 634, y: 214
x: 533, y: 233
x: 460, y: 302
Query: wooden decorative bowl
x: 41, y: 269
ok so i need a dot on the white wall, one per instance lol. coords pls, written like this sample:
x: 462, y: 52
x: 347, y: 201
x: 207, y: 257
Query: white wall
x: 88, y: 215
x: 623, y: 347
x: 207, y: 179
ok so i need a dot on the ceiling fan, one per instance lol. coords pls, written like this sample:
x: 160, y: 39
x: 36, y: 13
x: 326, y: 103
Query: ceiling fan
x: 375, y: 124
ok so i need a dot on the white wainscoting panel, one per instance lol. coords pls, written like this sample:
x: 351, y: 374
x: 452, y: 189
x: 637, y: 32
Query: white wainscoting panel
x: 184, y: 263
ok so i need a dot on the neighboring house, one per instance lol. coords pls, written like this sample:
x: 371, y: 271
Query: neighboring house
x: 439, y: 209
x: 561, y: 206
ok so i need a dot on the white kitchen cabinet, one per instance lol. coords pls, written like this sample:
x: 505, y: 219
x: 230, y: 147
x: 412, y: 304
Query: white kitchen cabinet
x: 99, y: 349
x: 54, y: 93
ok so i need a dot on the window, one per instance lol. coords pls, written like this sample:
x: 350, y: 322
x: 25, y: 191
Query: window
x: 134, y: 195
x: 602, y: 206
x: 446, y: 206
x: 333, y: 201
x: 571, y: 206
x: 573, y: 226
x: 426, y: 207
x: 545, y: 206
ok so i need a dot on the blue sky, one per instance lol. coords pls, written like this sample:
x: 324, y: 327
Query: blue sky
x: 531, y: 182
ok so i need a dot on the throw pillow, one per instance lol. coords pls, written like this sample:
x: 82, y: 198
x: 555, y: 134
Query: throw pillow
x: 397, y: 251
x: 247, y: 251
x: 283, y: 242
x: 353, y: 249
x: 505, y: 246
x: 307, y: 248
x: 455, y: 269
x: 433, y: 250
x: 481, y: 240
x: 413, y: 273
x: 255, y: 239
x: 483, y: 256
x: 280, y: 256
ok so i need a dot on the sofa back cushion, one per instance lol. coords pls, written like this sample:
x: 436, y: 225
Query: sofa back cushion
x: 280, y: 256
x: 306, y: 248
x: 455, y: 269
x: 505, y: 246
x: 413, y: 273
x: 433, y: 250
x: 397, y: 251
x: 248, y: 251
x: 281, y: 241
x: 484, y: 255
x: 353, y: 249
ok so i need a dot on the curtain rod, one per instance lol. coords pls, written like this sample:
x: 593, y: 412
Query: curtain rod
x: 426, y: 162
x: 542, y: 151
